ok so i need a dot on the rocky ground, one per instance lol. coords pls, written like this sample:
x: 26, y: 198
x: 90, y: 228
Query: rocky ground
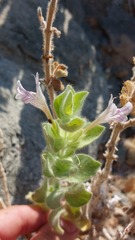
x: 97, y: 44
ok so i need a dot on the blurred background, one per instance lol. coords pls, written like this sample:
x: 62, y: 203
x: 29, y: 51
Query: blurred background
x: 97, y: 44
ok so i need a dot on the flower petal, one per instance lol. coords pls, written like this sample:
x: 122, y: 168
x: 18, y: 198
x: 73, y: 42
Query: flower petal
x: 112, y: 114
x: 116, y: 114
x: 36, y: 99
x: 127, y: 108
x: 23, y: 94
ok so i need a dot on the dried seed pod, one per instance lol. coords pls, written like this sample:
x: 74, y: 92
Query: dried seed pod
x: 128, y: 94
x: 57, y: 85
x: 59, y: 70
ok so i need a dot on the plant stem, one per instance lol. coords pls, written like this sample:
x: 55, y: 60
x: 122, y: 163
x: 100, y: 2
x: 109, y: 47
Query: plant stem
x: 102, y: 176
x: 47, y: 57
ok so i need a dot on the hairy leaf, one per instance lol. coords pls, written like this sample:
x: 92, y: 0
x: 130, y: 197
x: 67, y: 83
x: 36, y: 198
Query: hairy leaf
x: 53, y: 200
x: 86, y: 167
x: 77, y: 195
x: 67, y: 106
x: 73, y: 125
x: 62, y: 167
x: 79, y: 99
x: 91, y: 135
x: 47, y: 164
x: 54, y: 219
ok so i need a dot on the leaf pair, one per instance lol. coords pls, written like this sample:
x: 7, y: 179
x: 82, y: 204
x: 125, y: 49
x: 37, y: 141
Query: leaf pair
x: 76, y: 169
x: 67, y: 106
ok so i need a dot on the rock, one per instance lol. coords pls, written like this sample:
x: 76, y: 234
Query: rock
x: 110, y: 28
x: 122, y: 40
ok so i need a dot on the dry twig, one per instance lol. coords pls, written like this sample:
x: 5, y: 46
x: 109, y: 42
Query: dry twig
x: 126, y: 231
x: 48, y: 31
x: 110, y: 155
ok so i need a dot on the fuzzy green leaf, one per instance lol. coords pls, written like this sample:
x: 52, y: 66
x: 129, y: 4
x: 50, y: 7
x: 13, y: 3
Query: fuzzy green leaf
x: 86, y: 167
x: 60, y: 99
x: 53, y: 200
x: 73, y: 138
x: 57, y: 104
x: 79, y: 99
x: 67, y: 106
x: 47, y: 164
x: 77, y: 195
x: 39, y: 195
x: 54, y: 135
x: 73, y: 125
x: 69, y: 103
x: 48, y: 135
x: 91, y: 135
x: 54, y: 220
x: 62, y: 167
x: 68, y: 151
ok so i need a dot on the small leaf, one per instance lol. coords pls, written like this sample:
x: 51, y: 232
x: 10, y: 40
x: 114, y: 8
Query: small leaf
x: 54, y: 135
x: 47, y: 164
x: 57, y: 103
x: 59, y: 144
x: 39, y: 195
x: 53, y: 200
x: 73, y: 125
x: 77, y: 195
x: 91, y: 135
x: 62, y: 167
x: 59, y: 100
x: 79, y: 99
x: 69, y: 151
x: 54, y: 220
x: 72, y: 212
x: 74, y: 138
x: 78, y: 219
x: 58, y: 137
x: 86, y: 167
x: 67, y: 106
x: 69, y: 87
x: 47, y: 134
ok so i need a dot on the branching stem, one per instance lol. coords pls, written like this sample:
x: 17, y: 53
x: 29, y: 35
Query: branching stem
x: 102, y: 176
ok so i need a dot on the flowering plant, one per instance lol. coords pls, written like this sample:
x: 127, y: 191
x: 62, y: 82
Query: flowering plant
x: 71, y: 180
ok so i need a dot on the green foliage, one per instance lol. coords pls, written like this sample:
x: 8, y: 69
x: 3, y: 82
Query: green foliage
x: 67, y: 106
x: 54, y: 199
x: 86, y: 167
x: 54, y: 219
x: 91, y: 135
x: 73, y: 125
x: 64, y: 170
x: 77, y: 196
x: 63, y: 167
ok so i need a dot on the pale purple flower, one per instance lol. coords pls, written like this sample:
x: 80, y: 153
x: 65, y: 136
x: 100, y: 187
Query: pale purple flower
x: 112, y: 114
x: 36, y: 99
